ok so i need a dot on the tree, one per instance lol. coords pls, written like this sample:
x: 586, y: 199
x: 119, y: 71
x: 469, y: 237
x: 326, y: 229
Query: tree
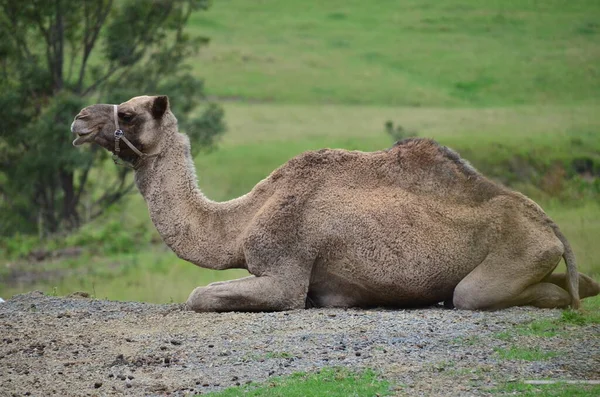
x: 56, y: 57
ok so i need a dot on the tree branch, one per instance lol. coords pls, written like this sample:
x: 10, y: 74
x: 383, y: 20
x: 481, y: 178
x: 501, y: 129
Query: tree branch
x: 141, y: 40
x: 58, y: 44
x: 101, y: 80
x: 83, y: 178
x: 89, y: 39
x: 111, y: 199
x: 14, y: 32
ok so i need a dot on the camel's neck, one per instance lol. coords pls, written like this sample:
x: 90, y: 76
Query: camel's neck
x: 196, y: 229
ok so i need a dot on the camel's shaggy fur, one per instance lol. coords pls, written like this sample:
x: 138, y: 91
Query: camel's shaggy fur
x: 409, y: 226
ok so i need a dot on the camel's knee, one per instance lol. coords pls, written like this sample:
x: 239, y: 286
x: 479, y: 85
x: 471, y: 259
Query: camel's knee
x: 465, y: 299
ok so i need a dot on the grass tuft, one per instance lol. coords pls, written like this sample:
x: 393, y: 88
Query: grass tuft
x: 524, y: 354
x: 331, y: 382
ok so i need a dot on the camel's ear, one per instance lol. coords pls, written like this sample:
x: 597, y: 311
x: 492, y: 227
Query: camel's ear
x: 160, y: 106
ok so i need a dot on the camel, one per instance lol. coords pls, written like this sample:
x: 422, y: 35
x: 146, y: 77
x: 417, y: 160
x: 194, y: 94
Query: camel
x: 410, y: 226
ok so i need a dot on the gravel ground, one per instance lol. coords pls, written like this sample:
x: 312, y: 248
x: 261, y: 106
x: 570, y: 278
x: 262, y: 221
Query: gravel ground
x: 83, y: 347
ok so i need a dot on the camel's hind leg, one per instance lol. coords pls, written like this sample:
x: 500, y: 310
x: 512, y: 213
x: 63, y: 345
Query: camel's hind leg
x: 587, y: 286
x: 503, y: 280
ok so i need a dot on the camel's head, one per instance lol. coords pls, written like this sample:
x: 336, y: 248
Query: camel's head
x: 144, y: 120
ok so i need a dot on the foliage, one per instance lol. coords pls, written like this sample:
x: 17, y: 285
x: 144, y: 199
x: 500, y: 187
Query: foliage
x: 326, y: 382
x: 398, y: 133
x: 58, y: 56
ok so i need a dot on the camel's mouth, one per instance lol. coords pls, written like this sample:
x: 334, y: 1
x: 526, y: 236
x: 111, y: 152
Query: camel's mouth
x: 82, y: 138
x: 84, y: 134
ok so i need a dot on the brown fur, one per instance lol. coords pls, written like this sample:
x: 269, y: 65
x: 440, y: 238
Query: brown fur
x: 409, y: 226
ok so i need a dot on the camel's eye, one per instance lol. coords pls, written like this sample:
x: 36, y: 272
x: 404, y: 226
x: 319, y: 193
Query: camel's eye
x: 126, y: 117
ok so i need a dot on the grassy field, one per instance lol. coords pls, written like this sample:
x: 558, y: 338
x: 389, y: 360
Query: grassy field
x: 409, y: 53
x: 514, y: 86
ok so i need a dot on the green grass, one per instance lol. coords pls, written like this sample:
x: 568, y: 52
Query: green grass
x: 327, y: 382
x: 410, y: 53
x: 151, y: 275
x: 524, y: 354
x: 555, y: 390
x: 547, y: 328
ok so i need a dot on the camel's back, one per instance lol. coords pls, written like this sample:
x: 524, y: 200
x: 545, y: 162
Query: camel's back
x: 418, y: 166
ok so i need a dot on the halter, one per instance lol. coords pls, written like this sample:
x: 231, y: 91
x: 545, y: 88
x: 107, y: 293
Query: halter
x: 120, y: 136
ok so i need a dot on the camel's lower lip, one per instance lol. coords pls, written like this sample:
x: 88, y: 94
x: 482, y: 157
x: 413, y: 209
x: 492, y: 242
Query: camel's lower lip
x: 81, y: 139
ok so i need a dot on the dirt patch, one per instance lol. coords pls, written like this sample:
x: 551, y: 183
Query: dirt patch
x: 83, y: 347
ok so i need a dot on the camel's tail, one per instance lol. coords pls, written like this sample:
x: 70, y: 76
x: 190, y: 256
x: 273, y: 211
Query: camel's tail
x: 572, y: 274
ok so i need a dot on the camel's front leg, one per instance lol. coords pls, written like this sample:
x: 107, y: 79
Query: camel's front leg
x: 265, y: 293
x: 237, y: 280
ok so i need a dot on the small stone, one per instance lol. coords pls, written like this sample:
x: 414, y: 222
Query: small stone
x: 175, y: 342
x: 128, y: 385
x: 97, y: 385
x: 130, y: 377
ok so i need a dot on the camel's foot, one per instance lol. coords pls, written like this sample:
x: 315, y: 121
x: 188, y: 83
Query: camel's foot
x: 247, y: 294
